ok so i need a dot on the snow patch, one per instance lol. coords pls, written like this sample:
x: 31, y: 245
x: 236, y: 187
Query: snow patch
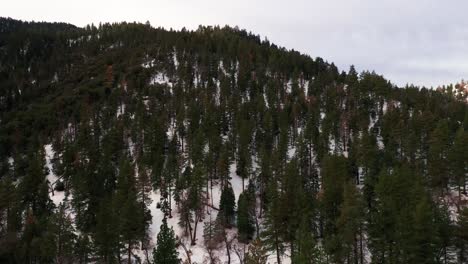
x: 160, y: 78
x: 56, y: 196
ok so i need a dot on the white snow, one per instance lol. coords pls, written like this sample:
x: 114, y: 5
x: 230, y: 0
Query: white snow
x: 171, y: 130
x: 11, y: 162
x: 384, y: 107
x: 160, y: 78
x: 55, y: 78
x: 198, y: 253
x: 56, y: 196
x: 174, y: 58
x: 148, y: 64
x: 289, y: 87
x: 291, y: 152
x: 372, y: 122
x: 121, y: 110
x: 380, y: 143
x: 331, y: 145
x: 322, y: 115
x: 266, y: 100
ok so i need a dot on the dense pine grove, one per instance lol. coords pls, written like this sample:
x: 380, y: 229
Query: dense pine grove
x: 335, y: 167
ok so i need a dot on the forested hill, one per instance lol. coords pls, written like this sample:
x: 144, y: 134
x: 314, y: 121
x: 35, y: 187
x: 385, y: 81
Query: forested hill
x: 112, y: 136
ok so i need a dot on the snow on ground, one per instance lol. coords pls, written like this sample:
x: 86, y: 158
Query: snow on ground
x: 121, y: 110
x: 160, y: 78
x: 285, y: 259
x: 218, y: 91
x: 56, y: 196
x: 380, y: 143
x: 455, y: 203
x: 148, y: 64
x: 291, y: 152
x: 372, y: 122
x: 174, y: 58
x: 331, y: 145
x: 305, y: 86
x: 11, y: 162
x: 289, y: 87
x: 171, y: 130
x: 198, y: 252
x: 236, y: 182
x: 385, y: 107
x: 360, y: 176
x: 322, y: 115
x: 267, y: 105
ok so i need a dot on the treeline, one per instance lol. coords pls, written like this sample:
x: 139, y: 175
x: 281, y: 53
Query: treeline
x: 336, y: 167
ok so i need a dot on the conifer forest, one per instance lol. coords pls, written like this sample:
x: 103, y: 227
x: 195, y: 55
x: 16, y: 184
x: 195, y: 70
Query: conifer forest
x: 128, y: 143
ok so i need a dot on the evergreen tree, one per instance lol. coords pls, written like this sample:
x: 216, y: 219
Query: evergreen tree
x: 166, y: 246
x: 308, y: 250
x: 227, y: 206
x: 334, y: 176
x: 272, y: 235
x: 126, y: 116
x: 106, y: 240
x: 63, y: 235
x: 245, y: 222
x: 462, y: 237
x: 131, y: 211
x: 438, y: 156
x: 458, y: 157
x: 349, y: 226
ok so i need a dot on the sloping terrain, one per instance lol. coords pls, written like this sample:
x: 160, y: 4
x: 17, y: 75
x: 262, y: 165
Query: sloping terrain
x: 248, y: 149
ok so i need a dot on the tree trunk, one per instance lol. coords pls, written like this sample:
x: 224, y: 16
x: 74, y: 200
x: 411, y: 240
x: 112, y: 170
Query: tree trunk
x: 129, y: 249
x: 360, y: 245
x: 257, y: 226
x: 194, y: 237
x: 211, y: 191
x: 189, y: 228
x: 242, y: 184
x: 278, y: 256
x: 187, y: 252
x: 355, y: 246
x: 170, y: 202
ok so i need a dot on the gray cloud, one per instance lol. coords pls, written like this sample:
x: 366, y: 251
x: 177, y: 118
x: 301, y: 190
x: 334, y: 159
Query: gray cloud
x: 424, y: 42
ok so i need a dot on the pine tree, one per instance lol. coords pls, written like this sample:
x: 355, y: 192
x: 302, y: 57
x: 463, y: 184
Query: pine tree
x: 106, y: 240
x: 131, y: 228
x: 227, y: 206
x: 196, y: 197
x: 438, y: 156
x: 349, y: 225
x: 272, y: 235
x: 166, y: 247
x: 307, y: 250
x: 458, y: 157
x: 334, y: 176
x: 245, y: 224
x: 130, y: 210
x: 462, y: 236
x: 63, y: 235
x: 403, y: 224
x: 144, y: 200
x: 423, y: 244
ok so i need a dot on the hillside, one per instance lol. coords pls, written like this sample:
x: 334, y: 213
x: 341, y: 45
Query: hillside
x: 252, y: 153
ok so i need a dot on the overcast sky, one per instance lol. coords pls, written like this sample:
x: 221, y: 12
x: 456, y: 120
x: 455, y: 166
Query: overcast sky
x: 424, y: 42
